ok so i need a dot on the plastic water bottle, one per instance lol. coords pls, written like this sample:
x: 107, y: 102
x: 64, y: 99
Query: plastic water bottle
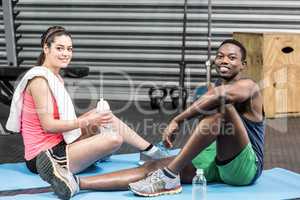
x: 199, y: 186
x: 103, y: 107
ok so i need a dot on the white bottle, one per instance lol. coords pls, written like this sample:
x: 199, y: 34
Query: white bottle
x: 103, y: 107
x: 199, y: 186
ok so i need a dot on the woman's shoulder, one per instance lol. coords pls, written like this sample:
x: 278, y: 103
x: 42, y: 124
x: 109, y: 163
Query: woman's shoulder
x: 37, y: 83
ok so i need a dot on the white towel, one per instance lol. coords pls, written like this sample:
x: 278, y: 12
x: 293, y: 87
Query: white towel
x: 62, y: 97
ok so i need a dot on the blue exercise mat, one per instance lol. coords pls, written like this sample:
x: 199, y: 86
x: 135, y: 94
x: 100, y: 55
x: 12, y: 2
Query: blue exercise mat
x: 272, y: 185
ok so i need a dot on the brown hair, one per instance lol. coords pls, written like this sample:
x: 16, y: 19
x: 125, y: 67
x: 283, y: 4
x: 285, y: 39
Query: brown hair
x: 48, y: 37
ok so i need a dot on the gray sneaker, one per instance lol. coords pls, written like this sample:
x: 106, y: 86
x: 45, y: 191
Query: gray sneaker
x: 155, y: 184
x: 45, y: 165
x: 63, y: 182
x: 155, y: 153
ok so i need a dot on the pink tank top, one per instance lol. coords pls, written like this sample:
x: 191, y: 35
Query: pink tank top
x: 34, y: 137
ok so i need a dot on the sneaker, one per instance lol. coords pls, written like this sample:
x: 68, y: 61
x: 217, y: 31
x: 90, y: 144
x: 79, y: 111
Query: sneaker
x: 45, y: 165
x: 155, y: 153
x: 63, y: 182
x: 155, y: 184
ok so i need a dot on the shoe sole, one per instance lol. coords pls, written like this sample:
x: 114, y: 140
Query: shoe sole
x: 60, y: 187
x: 167, y: 192
x: 45, y: 166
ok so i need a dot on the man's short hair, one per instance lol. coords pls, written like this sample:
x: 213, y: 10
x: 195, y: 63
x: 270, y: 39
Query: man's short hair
x: 236, y: 43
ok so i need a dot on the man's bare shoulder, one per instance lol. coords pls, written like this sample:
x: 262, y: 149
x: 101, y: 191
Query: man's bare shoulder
x: 248, y: 83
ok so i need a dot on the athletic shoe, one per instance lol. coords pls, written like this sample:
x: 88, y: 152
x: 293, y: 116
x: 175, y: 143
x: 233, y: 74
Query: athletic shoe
x: 45, y: 165
x: 154, y: 153
x: 155, y: 184
x: 63, y: 182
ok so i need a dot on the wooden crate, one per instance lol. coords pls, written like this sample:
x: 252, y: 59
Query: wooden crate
x: 273, y: 61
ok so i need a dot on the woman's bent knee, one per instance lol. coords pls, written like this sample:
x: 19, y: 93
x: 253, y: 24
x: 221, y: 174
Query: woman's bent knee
x: 115, y: 140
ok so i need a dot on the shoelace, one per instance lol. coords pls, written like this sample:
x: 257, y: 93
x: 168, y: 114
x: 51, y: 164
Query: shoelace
x: 155, y: 176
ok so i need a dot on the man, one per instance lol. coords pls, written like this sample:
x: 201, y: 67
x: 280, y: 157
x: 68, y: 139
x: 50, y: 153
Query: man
x: 227, y: 143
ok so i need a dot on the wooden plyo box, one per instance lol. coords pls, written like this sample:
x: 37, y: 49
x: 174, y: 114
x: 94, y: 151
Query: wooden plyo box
x: 273, y: 61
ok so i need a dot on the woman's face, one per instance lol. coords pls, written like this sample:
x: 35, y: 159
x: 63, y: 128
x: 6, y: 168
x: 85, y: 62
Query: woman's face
x: 60, y: 52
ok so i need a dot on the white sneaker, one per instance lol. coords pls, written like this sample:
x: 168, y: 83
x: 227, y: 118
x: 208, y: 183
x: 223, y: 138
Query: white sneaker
x: 155, y: 184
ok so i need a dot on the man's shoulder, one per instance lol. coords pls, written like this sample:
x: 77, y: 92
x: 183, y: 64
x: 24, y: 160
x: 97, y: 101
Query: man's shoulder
x: 247, y: 81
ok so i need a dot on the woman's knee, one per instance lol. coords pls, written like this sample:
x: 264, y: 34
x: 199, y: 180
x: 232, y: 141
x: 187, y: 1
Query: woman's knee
x: 115, y: 140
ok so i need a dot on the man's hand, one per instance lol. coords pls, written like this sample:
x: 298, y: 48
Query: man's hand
x: 169, y: 134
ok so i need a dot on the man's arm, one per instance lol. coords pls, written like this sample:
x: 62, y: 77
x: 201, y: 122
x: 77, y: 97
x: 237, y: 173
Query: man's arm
x: 236, y: 92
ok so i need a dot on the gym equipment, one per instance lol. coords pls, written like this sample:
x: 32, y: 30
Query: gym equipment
x: 182, y: 100
x: 176, y: 95
x: 157, y: 96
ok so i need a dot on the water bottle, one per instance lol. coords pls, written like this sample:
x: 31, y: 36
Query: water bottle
x: 199, y: 186
x: 103, y: 107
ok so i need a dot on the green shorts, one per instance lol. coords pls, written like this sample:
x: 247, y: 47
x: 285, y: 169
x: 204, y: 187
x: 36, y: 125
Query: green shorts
x: 240, y: 171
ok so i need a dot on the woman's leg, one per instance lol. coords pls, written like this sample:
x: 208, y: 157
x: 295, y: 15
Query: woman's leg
x: 129, y: 135
x: 92, y: 146
x: 81, y: 154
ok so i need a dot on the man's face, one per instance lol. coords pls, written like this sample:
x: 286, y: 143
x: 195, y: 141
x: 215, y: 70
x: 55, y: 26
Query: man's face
x: 228, y: 61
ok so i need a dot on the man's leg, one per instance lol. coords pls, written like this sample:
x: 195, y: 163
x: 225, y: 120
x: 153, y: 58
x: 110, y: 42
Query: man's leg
x: 167, y: 180
x: 208, y: 130
x: 204, y: 134
x: 119, y: 180
x: 229, y: 144
x: 235, y: 136
x: 236, y: 159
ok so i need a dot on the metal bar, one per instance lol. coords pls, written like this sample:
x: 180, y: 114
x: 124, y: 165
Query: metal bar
x: 182, y: 98
x: 9, y: 30
x: 208, y: 62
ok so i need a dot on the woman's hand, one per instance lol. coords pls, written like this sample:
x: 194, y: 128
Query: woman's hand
x: 169, y: 134
x: 94, y: 118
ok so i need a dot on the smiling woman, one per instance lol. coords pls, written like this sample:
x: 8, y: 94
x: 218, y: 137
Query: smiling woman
x: 47, y: 121
x: 57, y: 48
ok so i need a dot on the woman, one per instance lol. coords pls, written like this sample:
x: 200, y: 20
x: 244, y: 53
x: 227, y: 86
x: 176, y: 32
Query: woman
x: 42, y: 127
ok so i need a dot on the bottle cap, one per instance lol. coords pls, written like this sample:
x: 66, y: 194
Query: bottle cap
x: 199, y: 171
x: 103, y: 106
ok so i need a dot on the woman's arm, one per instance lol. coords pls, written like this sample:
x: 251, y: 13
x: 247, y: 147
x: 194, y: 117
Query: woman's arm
x: 42, y: 96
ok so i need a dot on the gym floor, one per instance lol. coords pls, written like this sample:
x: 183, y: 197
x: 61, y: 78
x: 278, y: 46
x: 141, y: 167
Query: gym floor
x: 282, y: 139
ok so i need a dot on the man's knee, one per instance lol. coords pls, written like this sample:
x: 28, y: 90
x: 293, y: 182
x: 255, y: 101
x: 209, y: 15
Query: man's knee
x: 210, y: 124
